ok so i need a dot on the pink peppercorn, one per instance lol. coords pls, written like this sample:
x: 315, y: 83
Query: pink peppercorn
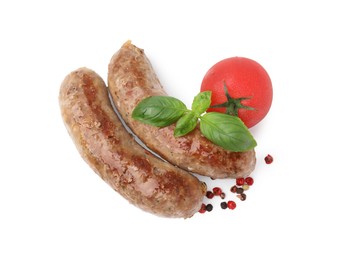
x: 233, y: 189
x: 217, y: 191
x: 203, y: 208
x: 239, y: 181
x: 268, y: 159
x: 249, y: 181
x: 231, y: 204
x: 209, y: 194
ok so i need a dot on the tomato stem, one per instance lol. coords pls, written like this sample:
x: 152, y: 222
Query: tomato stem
x: 232, y: 104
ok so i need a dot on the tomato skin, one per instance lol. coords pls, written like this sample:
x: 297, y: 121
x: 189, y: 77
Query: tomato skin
x: 244, y: 78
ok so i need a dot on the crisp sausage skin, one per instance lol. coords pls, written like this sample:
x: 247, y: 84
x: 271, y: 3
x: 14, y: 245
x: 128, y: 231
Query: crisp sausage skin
x: 131, y: 78
x: 144, y: 180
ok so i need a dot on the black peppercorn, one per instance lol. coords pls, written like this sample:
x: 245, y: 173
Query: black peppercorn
x: 242, y: 196
x: 209, y: 207
x: 223, y: 205
x: 239, y: 190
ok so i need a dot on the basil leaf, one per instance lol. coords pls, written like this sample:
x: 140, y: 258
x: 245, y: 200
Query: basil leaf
x: 227, y: 131
x: 186, y: 124
x: 201, y: 102
x: 159, y: 110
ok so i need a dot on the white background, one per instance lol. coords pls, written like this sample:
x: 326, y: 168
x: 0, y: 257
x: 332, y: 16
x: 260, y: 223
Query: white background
x: 52, y: 206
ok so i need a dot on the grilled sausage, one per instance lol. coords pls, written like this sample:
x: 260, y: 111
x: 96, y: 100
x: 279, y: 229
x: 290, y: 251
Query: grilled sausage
x: 131, y: 78
x: 144, y: 180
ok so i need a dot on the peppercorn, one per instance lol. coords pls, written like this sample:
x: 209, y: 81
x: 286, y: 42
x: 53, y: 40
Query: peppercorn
x: 223, y: 205
x: 203, y: 208
x: 245, y: 187
x: 209, y: 194
x: 239, y: 190
x: 249, y: 181
x: 217, y: 191
x: 209, y: 207
x: 239, y: 181
x: 222, y: 195
x: 268, y: 159
x: 233, y: 189
x: 231, y: 204
x: 242, y: 196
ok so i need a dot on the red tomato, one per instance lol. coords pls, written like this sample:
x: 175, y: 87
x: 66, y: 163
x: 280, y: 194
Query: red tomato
x: 244, y: 78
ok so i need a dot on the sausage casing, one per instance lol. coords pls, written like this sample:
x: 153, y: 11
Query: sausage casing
x: 144, y: 180
x: 131, y: 78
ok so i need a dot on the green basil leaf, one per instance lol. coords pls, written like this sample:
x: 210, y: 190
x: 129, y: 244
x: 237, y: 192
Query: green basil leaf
x: 186, y: 124
x: 201, y: 102
x: 159, y: 110
x: 227, y: 131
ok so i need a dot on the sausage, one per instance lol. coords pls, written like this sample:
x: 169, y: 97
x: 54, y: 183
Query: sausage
x: 131, y: 78
x: 144, y: 180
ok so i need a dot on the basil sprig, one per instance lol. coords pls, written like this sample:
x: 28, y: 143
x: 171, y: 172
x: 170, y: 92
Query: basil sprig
x: 159, y: 110
x: 201, y: 102
x: 223, y: 130
x: 227, y: 131
x: 186, y: 124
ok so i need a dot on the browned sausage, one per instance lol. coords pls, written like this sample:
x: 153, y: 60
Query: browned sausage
x: 103, y: 142
x: 131, y: 78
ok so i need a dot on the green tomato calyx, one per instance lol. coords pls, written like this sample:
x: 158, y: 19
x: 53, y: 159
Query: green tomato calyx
x: 232, y: 104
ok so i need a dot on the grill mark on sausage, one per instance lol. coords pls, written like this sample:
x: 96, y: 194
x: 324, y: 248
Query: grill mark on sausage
x: 141, y: 163
x: 103, y: 121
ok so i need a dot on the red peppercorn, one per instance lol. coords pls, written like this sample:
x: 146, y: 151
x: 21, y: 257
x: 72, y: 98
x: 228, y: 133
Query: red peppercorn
x: 249, y: 181
x: 203, y: 208
x: 268, y: 159
x: 217, y: 191
x: 233, y: 189
x: 239, y: 181
x: 209, y: 194
x: 231, y: 204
